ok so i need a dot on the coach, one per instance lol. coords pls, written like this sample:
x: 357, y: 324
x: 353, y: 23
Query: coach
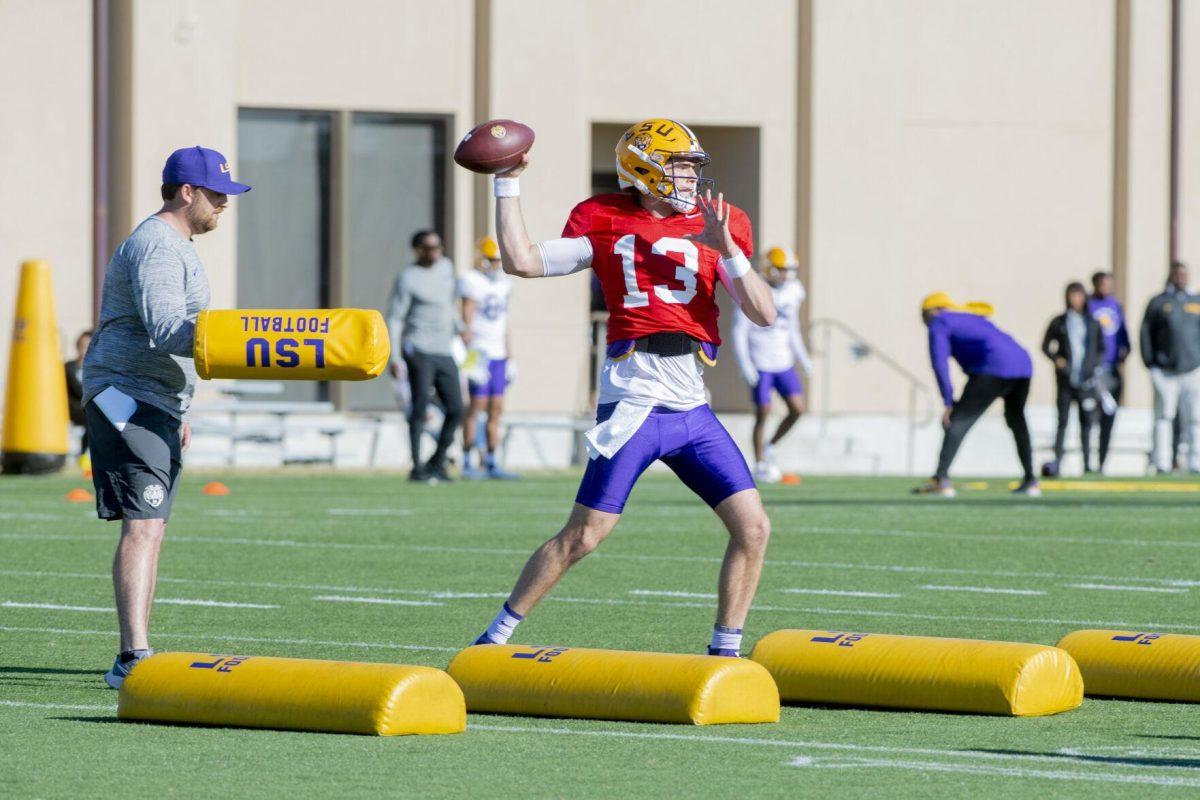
x: 138, y: 379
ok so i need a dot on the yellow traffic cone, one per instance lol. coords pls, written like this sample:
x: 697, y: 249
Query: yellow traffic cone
x: 35, y: 403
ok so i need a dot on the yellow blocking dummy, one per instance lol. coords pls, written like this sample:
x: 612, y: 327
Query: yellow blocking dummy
x: 292, y: 694
x: 920, y: 672
x: 614, y: 684
x: 35, y: 404
x: 1152, y: 666
x: 322, y: 344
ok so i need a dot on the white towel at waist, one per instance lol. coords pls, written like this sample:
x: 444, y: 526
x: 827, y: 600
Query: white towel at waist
x: 611, y: 435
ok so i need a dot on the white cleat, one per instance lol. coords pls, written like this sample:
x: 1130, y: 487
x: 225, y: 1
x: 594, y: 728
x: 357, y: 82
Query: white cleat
x: 766, y: 472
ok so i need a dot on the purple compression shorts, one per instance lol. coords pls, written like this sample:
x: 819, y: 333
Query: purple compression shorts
x: 694, y: 444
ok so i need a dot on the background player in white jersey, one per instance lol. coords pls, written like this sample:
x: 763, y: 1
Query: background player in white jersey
x: 768, y: 357
x: 484, y: 292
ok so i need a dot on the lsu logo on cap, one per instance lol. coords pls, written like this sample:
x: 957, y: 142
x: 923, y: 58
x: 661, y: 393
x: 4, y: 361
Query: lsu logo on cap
x: 225, y: 168
x: 154, y: 494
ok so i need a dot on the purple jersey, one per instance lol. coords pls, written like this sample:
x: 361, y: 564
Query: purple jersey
x: 1107, y: 311
x: 979, y: 347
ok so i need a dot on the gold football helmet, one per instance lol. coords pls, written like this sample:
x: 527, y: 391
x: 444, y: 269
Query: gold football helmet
x: 647, y: 154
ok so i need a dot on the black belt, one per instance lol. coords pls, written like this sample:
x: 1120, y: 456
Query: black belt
x: 672, y: 343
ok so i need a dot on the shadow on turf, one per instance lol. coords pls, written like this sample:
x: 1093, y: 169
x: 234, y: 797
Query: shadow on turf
x: 1166, y: 736
x: 4, y: 670
x: 1132, y: 761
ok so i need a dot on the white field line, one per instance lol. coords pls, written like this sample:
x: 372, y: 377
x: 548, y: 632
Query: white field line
x: 929, y: 587
x: 56, y: 607
x: 1034, y: 539
x: 840, y: 593
x: 386, y: 601
x: 57, y: 706
x: 983, y: 768
x: 203, y: 637
x: 524, y: 553
x: 436, y: 594
x: 174, y: 601
x: 368, y: 512
x: 1108, y: 587
x: 898, y: 568
x: 664, y: 593
x: 850, y: 747
x: 989, y: 537
x: 995, y: 771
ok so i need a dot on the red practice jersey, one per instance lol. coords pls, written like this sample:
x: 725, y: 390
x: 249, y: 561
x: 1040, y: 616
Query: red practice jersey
x: 654, y: 280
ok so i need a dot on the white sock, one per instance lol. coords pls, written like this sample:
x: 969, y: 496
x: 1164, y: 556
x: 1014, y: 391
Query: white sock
x: 503, y: 625
x: 724, y: 638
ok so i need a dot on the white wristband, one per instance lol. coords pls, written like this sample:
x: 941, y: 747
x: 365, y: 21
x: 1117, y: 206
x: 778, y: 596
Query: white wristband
x: 506, y: 187
x: 736, y: 267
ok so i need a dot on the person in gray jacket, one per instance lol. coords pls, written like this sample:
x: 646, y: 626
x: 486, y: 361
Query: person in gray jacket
x: 1170, y: 344
x: 1074, y: 341
x: 422, y: 321
x: 139, y: 377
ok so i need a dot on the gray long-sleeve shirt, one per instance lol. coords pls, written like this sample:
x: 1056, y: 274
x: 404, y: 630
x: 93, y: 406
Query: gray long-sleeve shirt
x: 154, y: 288
x: 421, y: 310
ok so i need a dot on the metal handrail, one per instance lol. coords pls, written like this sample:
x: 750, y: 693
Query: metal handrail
x: 917, y: 388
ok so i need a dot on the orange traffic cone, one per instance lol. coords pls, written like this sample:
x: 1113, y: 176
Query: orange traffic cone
x: 79, y: 496
x: 790, y: 479
x: 216, y: 489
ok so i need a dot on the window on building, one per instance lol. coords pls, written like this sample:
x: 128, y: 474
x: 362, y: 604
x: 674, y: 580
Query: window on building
x: 283, y: 225
x: 397, y: 187
x: 394, y: 182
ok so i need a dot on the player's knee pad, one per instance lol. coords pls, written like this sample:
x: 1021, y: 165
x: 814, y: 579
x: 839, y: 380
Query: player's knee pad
x: 339, y: 344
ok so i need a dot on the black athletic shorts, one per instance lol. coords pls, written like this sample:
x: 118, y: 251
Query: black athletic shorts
x: 135, y: 471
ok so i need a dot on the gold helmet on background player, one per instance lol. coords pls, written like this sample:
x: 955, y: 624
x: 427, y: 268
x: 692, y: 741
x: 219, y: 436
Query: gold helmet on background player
x: 779, y: 264
x: 487, y: 257
x: 647, y: 155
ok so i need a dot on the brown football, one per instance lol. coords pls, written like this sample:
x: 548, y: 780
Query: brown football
x: 494, y: 146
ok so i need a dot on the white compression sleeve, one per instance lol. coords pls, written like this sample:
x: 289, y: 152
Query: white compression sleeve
x: 565, y: 256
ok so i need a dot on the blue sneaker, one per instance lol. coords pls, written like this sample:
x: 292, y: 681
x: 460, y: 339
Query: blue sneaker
x: 498, y: 474
x: 717, y: 651
x: 483, y: 639
x: 123, y: 666
x: 473, y: 473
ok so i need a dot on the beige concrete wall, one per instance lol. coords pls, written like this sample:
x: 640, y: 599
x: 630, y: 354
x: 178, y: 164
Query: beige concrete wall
x: 1149, y: 173
x: 45, y: 157
x: 963, y: 147
x: 1189, y: 137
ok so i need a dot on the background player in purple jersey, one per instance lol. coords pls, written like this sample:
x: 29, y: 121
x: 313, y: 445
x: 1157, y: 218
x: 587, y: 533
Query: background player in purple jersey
x: 1106, y: 309
x: 996, y: 367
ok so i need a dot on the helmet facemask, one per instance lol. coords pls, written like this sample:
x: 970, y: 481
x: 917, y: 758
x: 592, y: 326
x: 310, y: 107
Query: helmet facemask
x: 682, y: 188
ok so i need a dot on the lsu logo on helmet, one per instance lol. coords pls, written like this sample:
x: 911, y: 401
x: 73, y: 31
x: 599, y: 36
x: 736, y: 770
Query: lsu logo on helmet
x: 645, y: 155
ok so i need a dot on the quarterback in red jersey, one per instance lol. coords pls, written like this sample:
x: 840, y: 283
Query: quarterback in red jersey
x: 659, y: 248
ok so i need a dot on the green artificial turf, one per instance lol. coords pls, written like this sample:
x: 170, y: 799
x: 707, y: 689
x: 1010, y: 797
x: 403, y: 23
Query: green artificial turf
x: 289, y: 539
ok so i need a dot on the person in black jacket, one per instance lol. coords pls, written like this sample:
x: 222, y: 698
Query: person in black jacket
x: 74, y: 370
x: 1074, y: 341
x: 1170, y: 345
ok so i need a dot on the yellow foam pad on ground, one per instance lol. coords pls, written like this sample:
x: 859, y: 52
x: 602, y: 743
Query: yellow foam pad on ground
x: 615, y: 685
x: 321, y: 344
x: 292, y: 694
x: 1151, y: 666
x: 920, y: 672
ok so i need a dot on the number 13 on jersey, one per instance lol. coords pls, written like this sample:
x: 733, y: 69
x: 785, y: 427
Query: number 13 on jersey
x: 685, y: 273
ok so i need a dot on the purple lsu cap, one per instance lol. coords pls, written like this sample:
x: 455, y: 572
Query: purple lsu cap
x: 200, y: 166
